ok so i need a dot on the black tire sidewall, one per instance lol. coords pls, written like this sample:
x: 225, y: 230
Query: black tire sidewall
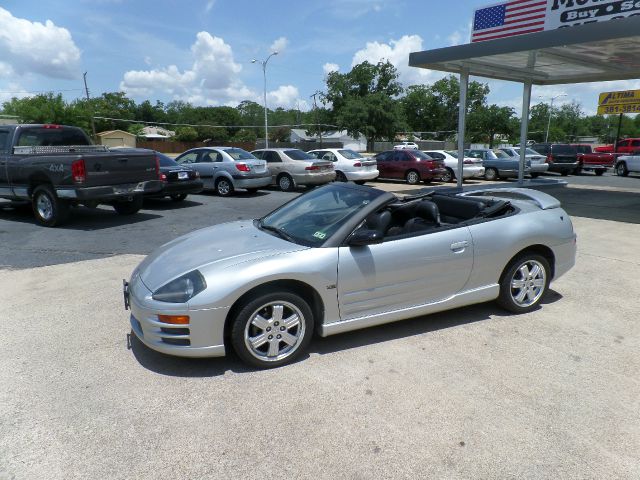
x: 243, y: 316
x: 129, y: 207
x: 60, y: 208
x: 505, y: 300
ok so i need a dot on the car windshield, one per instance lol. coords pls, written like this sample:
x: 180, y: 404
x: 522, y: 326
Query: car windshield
x: 239, y: 154
x: 298, y: 155
x: 499, y: 154
x: 453, y: 153
x: 166, y: 161
x: 421, y: 155
x: 583, y: 148
x: 350, y: 154
x: 312, y: 218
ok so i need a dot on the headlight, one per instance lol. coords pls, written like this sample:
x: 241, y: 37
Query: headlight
x: 182, y: 289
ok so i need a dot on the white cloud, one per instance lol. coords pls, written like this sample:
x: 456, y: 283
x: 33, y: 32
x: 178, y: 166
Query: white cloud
x: 397, y: 52
x: 327, y: 68
x: 209, y: 6
x: 12, y: 90
x: 33, y: 47
x: 213, y: 79
x: 279, y: 45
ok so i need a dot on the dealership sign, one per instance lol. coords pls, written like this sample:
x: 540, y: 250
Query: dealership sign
x: 611, y: 103
x: 519, y: 17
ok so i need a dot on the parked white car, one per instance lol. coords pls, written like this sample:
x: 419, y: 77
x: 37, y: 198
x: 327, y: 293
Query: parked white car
x: 627, y: 164
x: 406, y: 146
x: 538, y: 162
x: 349, y: 165
x: 471, y: 167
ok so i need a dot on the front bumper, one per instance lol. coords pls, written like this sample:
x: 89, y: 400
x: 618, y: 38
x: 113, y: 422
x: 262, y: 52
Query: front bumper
x: 110, y: 192
x: 202, y: 337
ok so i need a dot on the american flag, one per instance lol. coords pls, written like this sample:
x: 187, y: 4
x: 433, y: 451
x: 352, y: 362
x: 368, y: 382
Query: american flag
x: 510, y: 18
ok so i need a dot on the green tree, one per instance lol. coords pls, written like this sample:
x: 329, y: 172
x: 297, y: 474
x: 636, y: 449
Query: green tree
x: 486, y: 122
x: 244, y: 135
x: 186, y: 134
x: 41, y: 108
x: 136, y: 128
x: 364, y: 100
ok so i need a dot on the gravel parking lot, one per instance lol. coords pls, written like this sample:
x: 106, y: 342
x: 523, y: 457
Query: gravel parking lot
x: 470, y: 393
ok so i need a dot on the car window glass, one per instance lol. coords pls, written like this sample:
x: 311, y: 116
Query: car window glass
x: 398, y: 156
x: 272, y: 157
x: 474, y: 154
x: 296, y: 154
x: 422, y: 155
x: 350, y: 154
x: 636, y: 143
x: 436, y: 155
x: 623, y: 143
x: 165, y: 161
x: 316, y: 154
x: 257, y: 154
x: 329, y: 156
x: 563, y: 149
x: 207, y: 157
x: 4, y: 135
x: 500, y: 154
x: 239, y: 154
x: 36, y: 137
x: 383, y: 156
x: 190, y: 157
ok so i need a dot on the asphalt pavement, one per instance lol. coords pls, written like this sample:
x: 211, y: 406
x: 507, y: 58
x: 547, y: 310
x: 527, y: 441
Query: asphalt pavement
x: 470, y: 393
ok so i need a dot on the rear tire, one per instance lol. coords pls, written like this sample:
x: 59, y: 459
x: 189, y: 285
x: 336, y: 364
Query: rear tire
x: 621, y: 169
x: 412, y: 177
x: 491, y: 174
x: 178, y: 197
x: 524, y: 283
x: 224, y: 187
x: 48, y: 209
x: 341, y: 177
x: 285, y: 182
x: 535, y: 175
x: 129, y: 207
x: 359, y: 182
x: 599, y: 173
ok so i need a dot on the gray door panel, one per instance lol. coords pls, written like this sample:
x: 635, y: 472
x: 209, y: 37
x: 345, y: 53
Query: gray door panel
x: 403, y: 273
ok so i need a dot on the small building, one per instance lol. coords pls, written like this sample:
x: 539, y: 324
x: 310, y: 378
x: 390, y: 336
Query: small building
x: 299, y: 135
x: 117, y: 138
x: 157, y: 133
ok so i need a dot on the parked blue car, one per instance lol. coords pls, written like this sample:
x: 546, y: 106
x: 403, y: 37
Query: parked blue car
x: 498, y: 164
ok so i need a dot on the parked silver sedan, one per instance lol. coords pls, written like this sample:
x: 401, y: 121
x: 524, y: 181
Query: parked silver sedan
x: 291, y: 167
x: 349, y: 165
x: 538, y: 162
x: 224, y: 169
x: 343, y: 257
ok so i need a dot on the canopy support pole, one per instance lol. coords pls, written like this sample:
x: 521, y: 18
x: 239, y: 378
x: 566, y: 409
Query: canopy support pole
x: 524, y: 129
x: 462, y: 117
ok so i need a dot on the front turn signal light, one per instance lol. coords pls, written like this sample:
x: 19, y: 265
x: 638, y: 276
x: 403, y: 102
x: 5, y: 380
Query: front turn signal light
x: 174, y: 319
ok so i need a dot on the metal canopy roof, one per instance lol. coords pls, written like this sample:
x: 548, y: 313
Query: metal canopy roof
x: 587, y: 53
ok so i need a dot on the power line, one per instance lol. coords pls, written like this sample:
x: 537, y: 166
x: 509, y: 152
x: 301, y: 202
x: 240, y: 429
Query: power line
x: 45, y: 91
x: 215, y: 126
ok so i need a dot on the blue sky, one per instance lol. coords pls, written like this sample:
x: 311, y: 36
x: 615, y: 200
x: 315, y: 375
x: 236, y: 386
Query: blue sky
x: 201, y: 51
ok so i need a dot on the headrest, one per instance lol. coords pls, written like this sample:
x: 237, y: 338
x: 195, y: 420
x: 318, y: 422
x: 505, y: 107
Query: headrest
x: 428, y: 210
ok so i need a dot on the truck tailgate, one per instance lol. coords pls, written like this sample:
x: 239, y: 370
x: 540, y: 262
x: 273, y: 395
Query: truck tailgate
x: 115, y: 168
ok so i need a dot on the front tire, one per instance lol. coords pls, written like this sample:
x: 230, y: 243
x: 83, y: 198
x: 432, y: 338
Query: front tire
x: 48, y: 209
x: 449, y: 176
x: 491, y: 174
x: 272, y: 330
x: 412, y: 177
x: 535, y: 175
x: 129, y: 207
x: 224, y: 187
x: 341, y: 177
x: 621, y: 169
x: 524, y: 283
x: 599, y: 172
x: 359, y: 182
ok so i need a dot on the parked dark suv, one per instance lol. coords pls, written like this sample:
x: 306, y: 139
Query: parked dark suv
x: 410, y: 165
x: 561, y: 157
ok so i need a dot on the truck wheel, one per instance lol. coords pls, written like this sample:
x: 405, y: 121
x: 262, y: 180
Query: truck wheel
x: 621, y: 169
x: 600, y: 172
x: 48, y: 209
x: 129, y: 207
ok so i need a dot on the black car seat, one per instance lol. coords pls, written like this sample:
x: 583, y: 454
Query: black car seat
x: 379, y: 221
x: 427, y: 218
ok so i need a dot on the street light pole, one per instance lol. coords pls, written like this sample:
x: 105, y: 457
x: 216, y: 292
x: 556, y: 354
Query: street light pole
x: 546, y: 137
x: 264, y: 73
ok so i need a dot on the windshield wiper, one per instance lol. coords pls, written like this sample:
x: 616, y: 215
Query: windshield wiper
x: 278, y: 231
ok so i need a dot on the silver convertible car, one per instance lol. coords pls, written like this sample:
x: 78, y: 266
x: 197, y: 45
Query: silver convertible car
x: 343, y: 257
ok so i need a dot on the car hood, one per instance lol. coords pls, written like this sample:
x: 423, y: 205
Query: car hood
x: 224, y: 245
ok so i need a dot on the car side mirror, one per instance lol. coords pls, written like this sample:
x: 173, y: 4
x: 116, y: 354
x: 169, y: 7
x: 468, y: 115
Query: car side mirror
x: 364, y: 236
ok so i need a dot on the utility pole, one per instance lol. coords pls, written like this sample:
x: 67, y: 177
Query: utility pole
x: 86, y: 89
x: 315, y: 107
x: 615, y: 143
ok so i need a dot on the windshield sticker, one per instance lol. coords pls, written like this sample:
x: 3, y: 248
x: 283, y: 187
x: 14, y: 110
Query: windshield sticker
x: 320, y: 235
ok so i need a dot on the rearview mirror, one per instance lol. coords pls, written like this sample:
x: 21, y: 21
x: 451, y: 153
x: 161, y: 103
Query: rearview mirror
x: 365, y: 237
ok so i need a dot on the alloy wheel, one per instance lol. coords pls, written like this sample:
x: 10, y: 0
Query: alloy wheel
x: 44, y: 206
x: 274, y: 331
x: 528, y: 283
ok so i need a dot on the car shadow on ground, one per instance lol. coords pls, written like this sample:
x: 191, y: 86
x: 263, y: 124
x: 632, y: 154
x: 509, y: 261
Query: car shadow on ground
x: 168, y: 204
x: 236, y: 193
x: 80, y: 218
x: 212, y: 367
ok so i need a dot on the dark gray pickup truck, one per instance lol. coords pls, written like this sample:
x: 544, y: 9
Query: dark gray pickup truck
x: 56, y: 167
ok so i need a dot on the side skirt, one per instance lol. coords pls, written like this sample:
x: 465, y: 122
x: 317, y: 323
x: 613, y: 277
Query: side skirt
x: 462, y: 299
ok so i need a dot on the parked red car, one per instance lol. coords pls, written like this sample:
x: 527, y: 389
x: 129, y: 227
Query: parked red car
x: 628, y: 146
x: 411, y: 165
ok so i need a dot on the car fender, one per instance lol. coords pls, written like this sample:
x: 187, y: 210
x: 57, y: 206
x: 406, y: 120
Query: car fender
x: 315, y: 267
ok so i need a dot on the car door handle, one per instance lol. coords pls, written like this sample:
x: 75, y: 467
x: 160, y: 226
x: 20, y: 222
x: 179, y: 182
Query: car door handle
x: 459, y: 246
